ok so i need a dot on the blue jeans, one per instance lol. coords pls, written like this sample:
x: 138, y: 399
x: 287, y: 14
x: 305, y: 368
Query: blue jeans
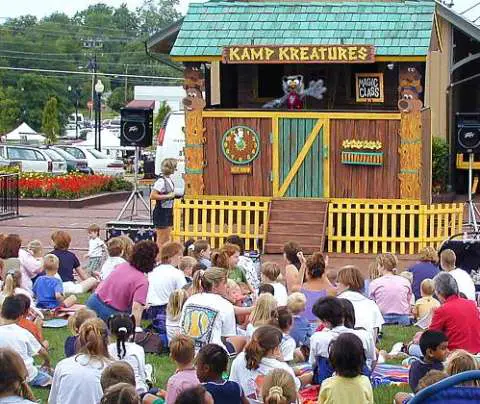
x: 42, y: 379
x: 400, y: 319
x: 103, y: 310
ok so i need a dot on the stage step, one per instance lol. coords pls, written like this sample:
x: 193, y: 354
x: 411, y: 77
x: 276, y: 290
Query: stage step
x: 300, y: 220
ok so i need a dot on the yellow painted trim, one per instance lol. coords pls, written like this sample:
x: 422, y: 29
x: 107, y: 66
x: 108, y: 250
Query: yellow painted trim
x: 301, y: 157
x: 396, y: 116
x: 463, y: 165
x: 275, y: 158
x: 326, y: 159
x: 196, y: 58
x: 400, y: 58
x: 439, y: 35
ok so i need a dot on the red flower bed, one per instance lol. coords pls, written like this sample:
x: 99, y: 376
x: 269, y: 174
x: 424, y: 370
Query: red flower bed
x: 69, y: 186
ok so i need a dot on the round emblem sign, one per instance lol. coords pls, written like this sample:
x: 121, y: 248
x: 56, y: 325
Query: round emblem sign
x: 240, y: 145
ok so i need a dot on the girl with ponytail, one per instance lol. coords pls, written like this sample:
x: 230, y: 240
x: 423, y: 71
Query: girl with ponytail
x: 279, y: 388
x: 122, y: 329
x: 261, y: 356
x: 77, y: 379
x: 14, y: 387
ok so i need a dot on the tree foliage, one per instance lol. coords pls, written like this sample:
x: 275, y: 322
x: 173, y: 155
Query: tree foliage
x: 160, y: 117
x: 57, y: 42
x: 50, y: 121
x: 117, y: 98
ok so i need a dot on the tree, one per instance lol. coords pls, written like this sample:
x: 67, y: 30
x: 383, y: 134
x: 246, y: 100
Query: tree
x: 117, y: 98
x: 157, y: 14
x: 160, y: 117
x: 50, y: 121
x: 9, y: 112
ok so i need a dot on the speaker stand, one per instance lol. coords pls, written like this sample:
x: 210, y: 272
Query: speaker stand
x: 135, y: 196
x: 472, y: 209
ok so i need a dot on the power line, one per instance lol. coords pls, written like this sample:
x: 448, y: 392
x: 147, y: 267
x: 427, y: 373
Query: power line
x: 27, y: 69
x: 66, y: 54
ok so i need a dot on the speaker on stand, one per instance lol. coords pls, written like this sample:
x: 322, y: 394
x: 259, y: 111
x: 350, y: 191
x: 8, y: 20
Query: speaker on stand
x: 136, y: 129
x: 468, y: 141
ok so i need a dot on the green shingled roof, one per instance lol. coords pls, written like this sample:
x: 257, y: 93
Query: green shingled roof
x: 394, y: 28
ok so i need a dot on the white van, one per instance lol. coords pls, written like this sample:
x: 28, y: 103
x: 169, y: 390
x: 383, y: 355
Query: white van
x: 170, y: 144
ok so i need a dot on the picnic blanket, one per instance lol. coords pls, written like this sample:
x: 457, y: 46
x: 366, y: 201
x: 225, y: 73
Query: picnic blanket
x: 388, y: 374
x: 55, y: 323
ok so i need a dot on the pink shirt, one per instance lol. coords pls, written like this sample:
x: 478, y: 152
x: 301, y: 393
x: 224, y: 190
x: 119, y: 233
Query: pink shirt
x: 30, y: 267
x: 181, y: 380
x: 124, y: 286
x: 392, y: 293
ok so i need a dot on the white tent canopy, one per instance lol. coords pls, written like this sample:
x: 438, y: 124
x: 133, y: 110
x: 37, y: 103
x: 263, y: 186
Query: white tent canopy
x: 24, y: 134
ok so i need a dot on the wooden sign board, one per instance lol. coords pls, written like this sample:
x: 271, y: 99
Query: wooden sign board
x: 257, y: 54
x: 241, y: 169
x: 369, y: 87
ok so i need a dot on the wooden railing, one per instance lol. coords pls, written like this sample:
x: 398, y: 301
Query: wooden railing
x: 214, y: 218
x: 396, y: 226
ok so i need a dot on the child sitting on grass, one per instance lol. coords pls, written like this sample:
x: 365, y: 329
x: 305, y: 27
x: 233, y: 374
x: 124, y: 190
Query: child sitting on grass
x: 462, y: 361
x: 262, y: 313
x: 14, y: 337
x: 270, y: 274
x: 13, y: 381
x: 186, y: 265
x: 123, y: 393
x: 279, y: 387
x: 174, y: 310
x: 74, y: 324
x: 182, y: 351
x: 283, y: 319
x: 347, y: 356
x: 212, y: 362
x: 301, y: 330
x: 115, y: 248
x: 48, y: 289
x: 25, y: 322
x: 427, y: 303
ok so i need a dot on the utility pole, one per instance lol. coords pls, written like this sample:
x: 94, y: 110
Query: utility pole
x: 126, y: 83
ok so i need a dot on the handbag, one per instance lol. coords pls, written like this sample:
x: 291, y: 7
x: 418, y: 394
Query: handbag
x: 151, y: 342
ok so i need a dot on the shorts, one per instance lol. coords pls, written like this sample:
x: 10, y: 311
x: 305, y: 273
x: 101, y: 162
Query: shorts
x: 162, y: 217
x: 94, y: 264
x: 72, y: 288
x: 103, y: 310
x: 42, y: 379
x: 230, y: 348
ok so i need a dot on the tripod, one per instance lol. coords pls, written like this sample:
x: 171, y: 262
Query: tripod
x: 135, y: 196
x: 472, y: 209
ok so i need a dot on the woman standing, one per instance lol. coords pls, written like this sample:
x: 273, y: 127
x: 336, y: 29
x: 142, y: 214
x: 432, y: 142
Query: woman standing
x: 163, y: 193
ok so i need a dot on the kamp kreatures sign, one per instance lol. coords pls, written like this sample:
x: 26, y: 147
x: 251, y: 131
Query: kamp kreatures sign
x: 299, y: 54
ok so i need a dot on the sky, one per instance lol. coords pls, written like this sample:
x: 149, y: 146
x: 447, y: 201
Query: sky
x: 42, y: 8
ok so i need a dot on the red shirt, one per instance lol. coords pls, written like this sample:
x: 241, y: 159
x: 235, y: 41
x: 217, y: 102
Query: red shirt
x: 459, y: 320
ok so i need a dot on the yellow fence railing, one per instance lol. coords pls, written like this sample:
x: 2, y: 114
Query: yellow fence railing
x: 396, y: 226
x: 214, y: 218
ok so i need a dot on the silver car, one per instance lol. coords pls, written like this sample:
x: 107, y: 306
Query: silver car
x: 33, y: 159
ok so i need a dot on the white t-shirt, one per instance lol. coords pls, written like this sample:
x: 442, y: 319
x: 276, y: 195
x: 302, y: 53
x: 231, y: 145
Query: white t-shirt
x: 250, y: 270
x: 135, y: 357
x: 77, y: 381
x: 95, y: 247
x: 280, y: 293
x: 250, y: 330
x: 247, y: 378
x: 15, y: 400
x: 367, y: 312
x: 22, y: 342
x: 207, y: 317
x: 164, y: 186
x: 464, y: 282
x: 320, y: 342
x: 173, y: 328
x: 162, y: 281
x: 109, y: 265
x: 287, y: 347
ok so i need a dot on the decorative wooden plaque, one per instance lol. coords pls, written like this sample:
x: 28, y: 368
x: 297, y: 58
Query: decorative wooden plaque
x: 369, y: 87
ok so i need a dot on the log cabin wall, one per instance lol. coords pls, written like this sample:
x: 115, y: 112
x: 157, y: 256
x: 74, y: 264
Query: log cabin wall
x: 218, y: 178
x: 359, y: 181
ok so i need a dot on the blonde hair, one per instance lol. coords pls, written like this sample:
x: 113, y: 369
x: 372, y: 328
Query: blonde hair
x: 296, y: 302
x: 448, y: 259
x: 264, y: 310
x: 93, y: 339
x: 427, y: 287
x: 407, y: 275
x: 175, y: 304
x: 36, y: 247
x: 94, y: 228
x: 212, y: 277
x: 271, y: 271
x: 373, y: 271
x: 187, y: 262
x: 78, y: 318
x: 127, y: 246
x: 115, y: 247
x: 51, y: 263
x: 12, y: 280
x: 429, y: 254
x: 197, y: 283
x: 460, y: 361
x: 169, y: 166
x: 279, y: 388
x: 388, y: 261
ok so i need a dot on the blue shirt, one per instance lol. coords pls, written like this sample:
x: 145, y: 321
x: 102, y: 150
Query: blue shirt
x: 418, y: 369
x: 422, y: 270
x: 68, y: 261
x: 228, y: 392
x: 301, y: 331
x: 44, y: 289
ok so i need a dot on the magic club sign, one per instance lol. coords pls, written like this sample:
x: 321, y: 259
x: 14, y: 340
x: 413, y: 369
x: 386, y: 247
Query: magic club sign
x: 299, y: 54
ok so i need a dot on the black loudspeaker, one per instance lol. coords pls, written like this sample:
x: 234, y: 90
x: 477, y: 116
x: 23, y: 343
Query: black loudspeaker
x: 136, y: 126
x: 468, y: 132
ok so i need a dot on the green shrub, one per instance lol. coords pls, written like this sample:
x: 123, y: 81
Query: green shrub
x: 440, y: 160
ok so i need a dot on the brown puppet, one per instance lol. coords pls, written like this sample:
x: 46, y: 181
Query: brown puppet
x: 409, y: 90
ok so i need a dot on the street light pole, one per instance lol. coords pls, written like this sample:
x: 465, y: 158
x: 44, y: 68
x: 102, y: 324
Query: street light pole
x: 99, y: 88
x: 76, y: 94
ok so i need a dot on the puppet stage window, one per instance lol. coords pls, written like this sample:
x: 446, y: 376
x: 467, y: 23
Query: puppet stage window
x: 269, y: 81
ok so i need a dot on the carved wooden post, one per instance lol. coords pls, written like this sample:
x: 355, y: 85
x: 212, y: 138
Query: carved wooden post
x: 194, y: 85
x: 410, y: 132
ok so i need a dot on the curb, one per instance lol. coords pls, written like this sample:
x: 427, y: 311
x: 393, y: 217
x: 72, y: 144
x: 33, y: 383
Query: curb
x: 92, y: 200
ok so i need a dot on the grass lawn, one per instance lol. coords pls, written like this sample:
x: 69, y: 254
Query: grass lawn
x: 164, y: 367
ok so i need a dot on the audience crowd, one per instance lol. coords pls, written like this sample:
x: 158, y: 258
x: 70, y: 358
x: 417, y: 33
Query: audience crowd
x: 238, y: 331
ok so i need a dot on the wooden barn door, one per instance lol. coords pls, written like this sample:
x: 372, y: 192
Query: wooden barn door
x: 300, y: 157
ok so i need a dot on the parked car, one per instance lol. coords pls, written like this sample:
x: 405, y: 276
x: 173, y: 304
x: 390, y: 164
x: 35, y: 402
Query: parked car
x: 33, y: 159
x: 73, y: 164
x: 97, y: 161
x: 4, y: 163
